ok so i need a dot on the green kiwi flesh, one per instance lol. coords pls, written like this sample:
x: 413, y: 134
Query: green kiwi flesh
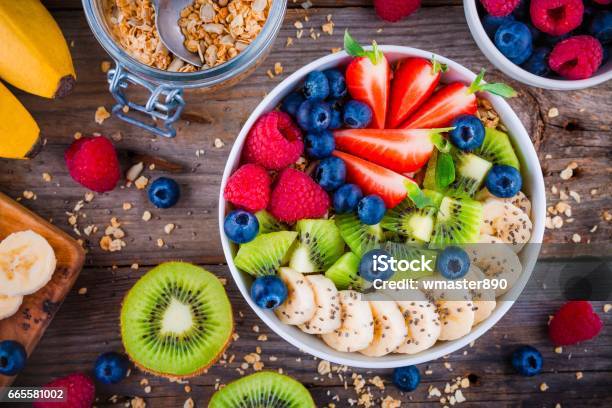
x: 408, y: 252
x: 265, y: 389
x: 414, y: 223
x: 498, y: 149
x: 359, y: 237
x: 345, y: 273
x: 267, y: 223
x: 457, y: 222
x: 470, y: 171
x: 319, y: 246
x: 176, y: 320
x: 266, y: 253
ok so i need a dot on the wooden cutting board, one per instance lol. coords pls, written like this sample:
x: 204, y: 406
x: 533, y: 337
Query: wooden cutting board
x: 30, y: 322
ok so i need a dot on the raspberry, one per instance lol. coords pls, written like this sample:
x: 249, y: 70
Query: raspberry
x: 80, y: 392
x: 249, y: 188
x: 296, y: 196
x: 556, y: 17
x: 92, y: 162
x: 274, y: 142
x: 500, y: 8
x: 577, y: 57
x: 574, y: 322
x: 395, y: 10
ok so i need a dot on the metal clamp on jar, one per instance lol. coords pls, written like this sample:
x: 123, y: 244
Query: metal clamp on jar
x: 165, y: 87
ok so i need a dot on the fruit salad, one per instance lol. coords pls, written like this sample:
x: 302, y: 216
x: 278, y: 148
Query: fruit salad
x: 370, y: 160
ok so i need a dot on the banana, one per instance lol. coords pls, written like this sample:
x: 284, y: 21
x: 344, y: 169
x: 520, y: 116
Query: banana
x: 19, y: 133
x: 326, y: 318
x: 520, y: 200
x: 9, y: 305
x: 390, y: 329
x: 454, y: 307
x: 357, y: 329
x: 27, y: 263
x: 489, y: 239
x: 34, y: 55
x: 483, y: 299
x: 299, y: 307
x: 496, y: 261
x: 507, y: 222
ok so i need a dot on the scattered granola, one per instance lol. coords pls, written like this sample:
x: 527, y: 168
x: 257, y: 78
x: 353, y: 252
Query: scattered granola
x: 101, y: 115
x: 553, y: 112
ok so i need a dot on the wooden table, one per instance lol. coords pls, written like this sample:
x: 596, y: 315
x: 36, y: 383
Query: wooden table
x: 87, y: 324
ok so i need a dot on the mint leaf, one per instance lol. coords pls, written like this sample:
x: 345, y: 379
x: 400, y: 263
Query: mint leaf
x: 352, y: 47
x: 438, y: 66
x: 417, y: 196
x: 475, y: 86
x: 445, y: 170
x: 503, y: 90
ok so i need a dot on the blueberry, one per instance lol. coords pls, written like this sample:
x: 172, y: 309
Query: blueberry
x: 302, y: 115
x: 269, y: 292
x: 374, y: 265
x: 346, y: 198
x: 111, y: 368
x: 527, y: 361
x: 330, y: 173
x: 336, y: 119
x: 316, y: 86
x: 491, y: 23
x: 241, y: 226
x: 292, y: 102
x: 537, y: 64
x: 371, y: 209
x: 319, y: 145
x: 453, y: 263
x: 337, y: 84
x: 468, y: 134
x: 314, y: 116
x: 504, y: 181
x: 601, y: 27
x: 164, y: 192
x: 357, y: 114
x: 406, y: 378
x: 12, y: 357
x: 514, y: 40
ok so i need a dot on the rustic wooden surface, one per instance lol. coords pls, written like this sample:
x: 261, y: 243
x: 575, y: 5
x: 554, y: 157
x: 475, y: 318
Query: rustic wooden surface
x: 88, y: 324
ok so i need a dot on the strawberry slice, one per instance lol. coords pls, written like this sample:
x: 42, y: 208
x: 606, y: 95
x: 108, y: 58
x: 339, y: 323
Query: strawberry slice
x: 375, y: 179
x: 414, y: 80
x: 367, y: 78
x: 451, y: 101
x: 400, y: 150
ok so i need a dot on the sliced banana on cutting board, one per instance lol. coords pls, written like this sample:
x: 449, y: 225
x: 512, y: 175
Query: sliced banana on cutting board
x: 9, y: 305
x: 507, y: 222
x: 326, y: 318
x: 27, y: 263
x: 389, y: 327
x: 357, y: 329
x: 299, y: 307
x: 496, y: 261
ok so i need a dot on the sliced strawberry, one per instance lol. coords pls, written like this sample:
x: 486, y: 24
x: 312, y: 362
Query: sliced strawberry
x: 401, y: 150
x: 367, y: 78
x: 414, y: 80
x: 451, y: 101
x: 375, y: 179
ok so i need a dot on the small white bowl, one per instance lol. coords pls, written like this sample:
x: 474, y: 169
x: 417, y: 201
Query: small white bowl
x: 533, y: 183
x: 514, y: 71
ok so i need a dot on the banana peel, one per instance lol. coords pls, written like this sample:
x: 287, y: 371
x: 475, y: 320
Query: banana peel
x: 19, y: 133
x: 34, y: 56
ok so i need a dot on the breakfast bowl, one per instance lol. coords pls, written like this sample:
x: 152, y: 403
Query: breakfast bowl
x: 533, y: 185
x: 488, y: 48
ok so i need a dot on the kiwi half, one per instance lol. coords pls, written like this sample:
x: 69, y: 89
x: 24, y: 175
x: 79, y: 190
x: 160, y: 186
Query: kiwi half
x: 265, y: 389
x: 267, y: 223
x: 266, y: 253
x: 359, y: 237
x: 176, y: 320
x: 345, y: 273
x: 320, y: 245
x: 457, y: 222
x: 498, y: 149
x: 413, y: 223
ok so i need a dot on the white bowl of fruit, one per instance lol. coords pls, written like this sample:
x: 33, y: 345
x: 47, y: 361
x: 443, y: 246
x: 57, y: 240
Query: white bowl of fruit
x: 380, y: 152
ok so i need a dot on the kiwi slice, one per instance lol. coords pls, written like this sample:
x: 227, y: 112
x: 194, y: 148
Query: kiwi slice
x: 345, y: 273
x: 176, y: 320
x: 320, y: 245
x: 470, y: 171
x: 408, y: 252
x: 265, y: 389
x: 408, y: 220
x: 267, y: 223
x: 266, y: 253
x: 359, y: 237
x: 497, y: 148
x: 457, y: 222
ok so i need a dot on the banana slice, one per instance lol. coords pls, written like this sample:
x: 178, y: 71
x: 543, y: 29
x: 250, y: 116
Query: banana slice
x: 299, y: 307
x: 520, y: 200
x: 454, y: 307
x: 489, y: 239
x: 496, y: 261
x: 483, y: 299
x: 326, y: 318
x: 27, y: 263
x: 357, y: 329
x: 507, y: 222
x: 9, y: 305
x: 390, y: 329
x: 421, y: 320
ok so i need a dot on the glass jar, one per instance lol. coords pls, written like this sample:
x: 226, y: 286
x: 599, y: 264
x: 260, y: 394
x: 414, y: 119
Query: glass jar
x: 165, y: 102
